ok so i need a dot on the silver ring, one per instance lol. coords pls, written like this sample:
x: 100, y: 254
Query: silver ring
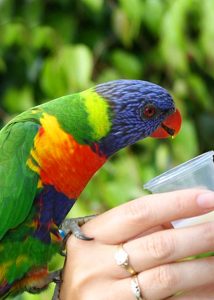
x: 122, y: 259
x: 136, y: 288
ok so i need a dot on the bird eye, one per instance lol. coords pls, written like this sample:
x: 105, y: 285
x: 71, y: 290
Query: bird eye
x: 148, y: 111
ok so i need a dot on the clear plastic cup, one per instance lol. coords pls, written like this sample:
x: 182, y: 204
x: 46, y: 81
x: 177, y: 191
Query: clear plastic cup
x: 197, y: 172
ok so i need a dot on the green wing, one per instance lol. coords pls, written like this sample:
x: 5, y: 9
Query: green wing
x: 18, y: 184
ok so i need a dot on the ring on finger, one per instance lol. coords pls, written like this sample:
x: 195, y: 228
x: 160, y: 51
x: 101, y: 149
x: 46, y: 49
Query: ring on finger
x: 122, y: 259
x: 136, y: 288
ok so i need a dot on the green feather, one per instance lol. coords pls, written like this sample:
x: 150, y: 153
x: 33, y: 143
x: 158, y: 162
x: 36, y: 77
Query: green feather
x: 75, y: 115
x: 18, y: 183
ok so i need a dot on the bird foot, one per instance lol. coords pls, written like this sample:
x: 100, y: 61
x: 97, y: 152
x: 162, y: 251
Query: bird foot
x: 68, y: 227
x: 72, y: 226
x: 57, y: 279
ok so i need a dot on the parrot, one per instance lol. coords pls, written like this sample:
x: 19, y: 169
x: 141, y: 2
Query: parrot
x: 48, y: 154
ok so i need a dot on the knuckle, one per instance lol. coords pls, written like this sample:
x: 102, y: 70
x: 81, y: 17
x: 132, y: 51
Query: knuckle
x: 166, y: 278
x: 138, y: 211
x: 208, y: 233
x: 161, y: 246
x: 72, y: 243
x: 180, y: 204
x: 82, y: 278
x: 74, y: 247
x: 78, y: 287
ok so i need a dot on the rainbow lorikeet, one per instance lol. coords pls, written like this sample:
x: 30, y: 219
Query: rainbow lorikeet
x: 47, y: 156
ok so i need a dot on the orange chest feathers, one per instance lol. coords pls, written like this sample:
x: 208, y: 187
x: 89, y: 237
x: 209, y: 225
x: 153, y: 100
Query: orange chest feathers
x: 60, y: 160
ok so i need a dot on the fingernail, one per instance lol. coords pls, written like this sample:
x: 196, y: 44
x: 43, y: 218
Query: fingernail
x: 206, y: 200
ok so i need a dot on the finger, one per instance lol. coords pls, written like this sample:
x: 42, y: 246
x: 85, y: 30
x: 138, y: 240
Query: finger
x: 131, y: 219
x: 205, y: 292
x: 167, y: 280
x: 151, y: 230
x: 169, y: 245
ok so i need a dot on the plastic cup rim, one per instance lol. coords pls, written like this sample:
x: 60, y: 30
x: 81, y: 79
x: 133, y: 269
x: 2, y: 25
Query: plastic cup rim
x: 184, y: 168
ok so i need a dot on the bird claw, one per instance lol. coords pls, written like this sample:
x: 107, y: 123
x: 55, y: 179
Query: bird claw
x: 57, y: 279
x: 72, y: 226
x: 68, y: 227
x: 57, y: 276
x: 63, y: 252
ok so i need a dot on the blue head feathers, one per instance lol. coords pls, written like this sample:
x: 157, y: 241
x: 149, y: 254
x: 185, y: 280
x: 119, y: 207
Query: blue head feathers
x: 138, y: 108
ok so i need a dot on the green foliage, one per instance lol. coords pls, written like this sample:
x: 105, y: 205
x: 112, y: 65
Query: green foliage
x: 53, y: 48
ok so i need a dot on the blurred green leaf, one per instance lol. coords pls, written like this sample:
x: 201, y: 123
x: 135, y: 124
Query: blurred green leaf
x: 174, y: 43
x: 185, y: 145
x: 14, y: 34
x: 18, y: 100
x: 199, y: 91
x: 108, y: 74
x: 163, y: 157
x: 32, y: 12
x: 94, y: 5
x: 70, y: 70
x: 207, y: 34
x: 206, y: 130
x: 44, y: 37
x: 2, y: 65
x: 153, y: 14
x: 127, y: 64
x: 53, y: 80
x: 77, y: 63
x: 127, y: 19
x: 6, y: 9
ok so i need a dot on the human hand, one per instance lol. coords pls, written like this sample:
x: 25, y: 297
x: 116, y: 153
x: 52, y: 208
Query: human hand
x: 156, y: 251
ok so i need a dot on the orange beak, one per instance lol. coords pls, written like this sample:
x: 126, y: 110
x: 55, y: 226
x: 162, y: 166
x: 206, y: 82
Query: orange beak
x: 169, y: 127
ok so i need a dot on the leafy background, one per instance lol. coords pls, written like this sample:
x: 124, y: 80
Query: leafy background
x: 49, y: 48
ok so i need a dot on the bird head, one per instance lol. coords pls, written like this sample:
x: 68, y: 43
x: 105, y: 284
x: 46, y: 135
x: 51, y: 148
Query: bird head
x: 137, y: 109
